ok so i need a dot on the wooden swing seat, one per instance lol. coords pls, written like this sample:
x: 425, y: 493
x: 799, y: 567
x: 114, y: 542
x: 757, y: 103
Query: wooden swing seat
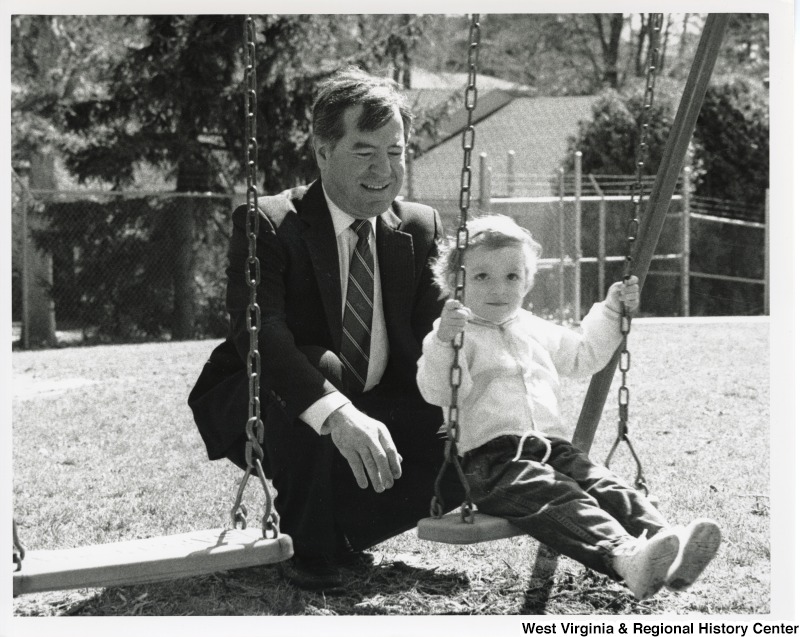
x: 148, y: 560
x: 451, y: 529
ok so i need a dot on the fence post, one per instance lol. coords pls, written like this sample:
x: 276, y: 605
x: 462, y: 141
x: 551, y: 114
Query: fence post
x: 562, y: 248
x: 488, y: 206
x: 766, y: 253
x: 40, y: 319
x: 601, y: 240
x: 26, y: 326
x: 484, y: 185
x: 578, y: 253
x: 687, y: 242
x: 410, y: 173
x: 511, y: 176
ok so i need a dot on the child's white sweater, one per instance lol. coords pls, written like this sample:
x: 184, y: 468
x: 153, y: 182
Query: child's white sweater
x: 510, y: 372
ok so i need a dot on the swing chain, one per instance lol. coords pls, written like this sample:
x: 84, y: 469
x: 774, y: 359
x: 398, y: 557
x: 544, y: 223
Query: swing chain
x: 623, y: 396
x: 467, y: 144
x: 254, y: 453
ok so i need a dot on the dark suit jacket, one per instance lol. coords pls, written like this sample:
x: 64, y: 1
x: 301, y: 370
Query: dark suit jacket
x: 300, y: 299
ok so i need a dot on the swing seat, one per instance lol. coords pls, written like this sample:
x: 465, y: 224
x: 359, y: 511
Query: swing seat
x: 451, y: 529
x: 148, y: 560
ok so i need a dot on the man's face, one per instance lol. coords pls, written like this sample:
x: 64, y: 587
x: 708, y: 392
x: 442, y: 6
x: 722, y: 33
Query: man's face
x: 363, y: 172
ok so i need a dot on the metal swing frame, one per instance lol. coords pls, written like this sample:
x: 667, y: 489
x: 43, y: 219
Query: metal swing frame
x: 199, y: 552
x: 468, y: 526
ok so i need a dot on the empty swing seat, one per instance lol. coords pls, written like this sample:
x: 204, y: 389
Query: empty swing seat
x: 451, y: 529
x: 149, y: 560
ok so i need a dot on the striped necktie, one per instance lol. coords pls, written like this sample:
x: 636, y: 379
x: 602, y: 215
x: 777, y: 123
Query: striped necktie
x: 357, y: 318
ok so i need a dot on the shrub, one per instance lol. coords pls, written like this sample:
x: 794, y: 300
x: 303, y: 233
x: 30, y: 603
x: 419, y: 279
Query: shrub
x: 114, y: 262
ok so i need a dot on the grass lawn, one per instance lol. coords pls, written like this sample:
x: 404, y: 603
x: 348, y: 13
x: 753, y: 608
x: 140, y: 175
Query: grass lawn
x: 104, y: 448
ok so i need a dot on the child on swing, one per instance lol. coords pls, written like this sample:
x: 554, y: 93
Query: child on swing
x: 514, y: 450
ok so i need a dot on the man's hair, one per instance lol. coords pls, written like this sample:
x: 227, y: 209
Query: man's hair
x: 492, y: 232
x: 353, y: 87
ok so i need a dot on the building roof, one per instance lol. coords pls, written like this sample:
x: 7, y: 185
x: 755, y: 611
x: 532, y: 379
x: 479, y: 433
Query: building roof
x: 444, y: 80
x: 535, y: 128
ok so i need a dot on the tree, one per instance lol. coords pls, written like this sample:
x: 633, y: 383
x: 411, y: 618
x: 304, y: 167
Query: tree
x: 592, y: 46
x: 399, y: 48
x: 52, y: 66
x: 164, y: 100
x: 732, y: 143
x: 691, y: 26
x: 55, y: 62
x: 730, y: 161
x: 579, y: 54
x: 608, y: 144
x: 730, y: 147
x: 608, y: 141
x: 643, y: 42
x: 512, y: 47
x: 745, y: 50
x: 175, y: 100
x: 609, y: 46
x: 555, y: 54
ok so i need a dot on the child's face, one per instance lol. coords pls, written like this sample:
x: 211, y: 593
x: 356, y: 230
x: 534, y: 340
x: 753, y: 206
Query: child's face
x: 496, y: 281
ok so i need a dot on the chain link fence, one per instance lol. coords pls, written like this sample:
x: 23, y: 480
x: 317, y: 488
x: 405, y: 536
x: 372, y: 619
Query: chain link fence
x: 123, y: 267
x: 136, y: 266
x: 714, y: 251
x: 574, y: 273
x: 729, y: 265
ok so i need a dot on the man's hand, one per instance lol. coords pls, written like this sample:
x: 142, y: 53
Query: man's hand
x: 366, y: 445
x: 624, y: 293
x: 454, y: 319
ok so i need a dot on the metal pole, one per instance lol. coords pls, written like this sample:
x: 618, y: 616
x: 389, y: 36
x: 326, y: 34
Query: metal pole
x: 483, y: 186
x: 488, y: 206
x: 511, y: 176
x: 766, y: 253
x: 601, y: 240
x: 578, y: 252
x: 687, y: 243
x: 562, y: 248
x: 658, y: 204
x: 601, y: 265
x: 26, y: 323
x: 410, y: 173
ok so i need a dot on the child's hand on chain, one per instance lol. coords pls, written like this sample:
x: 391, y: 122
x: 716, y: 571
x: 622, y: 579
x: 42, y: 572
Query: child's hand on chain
x: 454, y: 319
x: 624, y: 293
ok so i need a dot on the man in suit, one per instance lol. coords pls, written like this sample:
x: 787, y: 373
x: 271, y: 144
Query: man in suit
x: 346, y: 297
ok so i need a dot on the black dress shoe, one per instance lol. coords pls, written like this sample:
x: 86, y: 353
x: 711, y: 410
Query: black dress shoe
x: 311, y: 572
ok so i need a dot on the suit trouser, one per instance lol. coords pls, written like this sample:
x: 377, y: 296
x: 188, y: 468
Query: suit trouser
x: 319, y: 502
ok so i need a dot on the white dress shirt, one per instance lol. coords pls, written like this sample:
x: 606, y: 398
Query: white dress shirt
x: 346, y: 239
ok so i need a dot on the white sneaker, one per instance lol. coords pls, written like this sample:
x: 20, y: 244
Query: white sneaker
x: 644, y: 563
x: 700, y: 541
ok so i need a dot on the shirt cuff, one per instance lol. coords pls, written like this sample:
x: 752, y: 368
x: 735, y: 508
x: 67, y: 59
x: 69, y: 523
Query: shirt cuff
x: 316, y: 415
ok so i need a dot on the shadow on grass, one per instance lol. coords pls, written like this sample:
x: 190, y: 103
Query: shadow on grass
x: 388, y: 588
x: 578, y: 592
x: 542, y: 580
x: 397, y: 588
